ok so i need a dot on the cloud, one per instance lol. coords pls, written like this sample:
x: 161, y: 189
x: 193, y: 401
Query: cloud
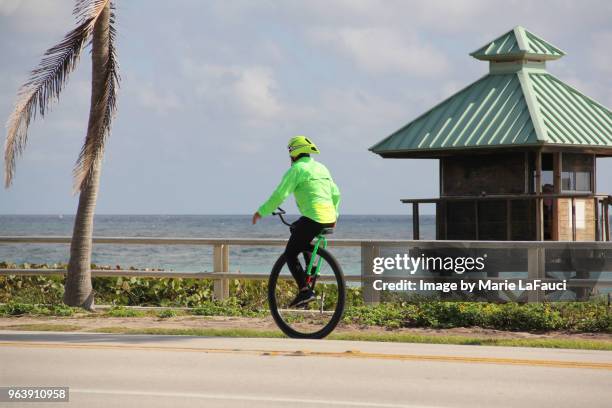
x: 160, y: 101
x: 255, y: 89
x: 359, y: 107
x: 28, y: 16
x: 600, y: 58
x: 8, y: 7
x: 251, y: 90
x: 382, y: 50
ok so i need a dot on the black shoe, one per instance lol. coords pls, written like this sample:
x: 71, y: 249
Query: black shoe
x: 302, y: 298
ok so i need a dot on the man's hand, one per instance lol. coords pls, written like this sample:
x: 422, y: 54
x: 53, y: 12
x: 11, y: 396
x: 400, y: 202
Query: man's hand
x: 256, y: 217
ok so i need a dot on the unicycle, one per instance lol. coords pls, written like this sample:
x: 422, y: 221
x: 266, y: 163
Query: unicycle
x: 318, y: 318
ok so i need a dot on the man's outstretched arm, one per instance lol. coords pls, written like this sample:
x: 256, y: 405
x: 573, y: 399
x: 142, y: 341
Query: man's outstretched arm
x: 282, y: 191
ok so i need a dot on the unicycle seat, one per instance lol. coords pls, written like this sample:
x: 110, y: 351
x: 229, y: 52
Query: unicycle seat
x: 327, y: 231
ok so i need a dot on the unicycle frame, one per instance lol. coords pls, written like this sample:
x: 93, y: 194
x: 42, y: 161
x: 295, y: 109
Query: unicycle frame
x: 309, y: 274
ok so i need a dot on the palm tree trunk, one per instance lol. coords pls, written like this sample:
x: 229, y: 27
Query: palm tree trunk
x: 78, y: 286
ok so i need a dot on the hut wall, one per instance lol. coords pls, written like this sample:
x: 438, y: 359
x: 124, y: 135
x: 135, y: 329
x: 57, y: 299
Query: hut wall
x: 467, y: 175
x: 492, y: 220
x: 461, y: 220
x: 523, y: 216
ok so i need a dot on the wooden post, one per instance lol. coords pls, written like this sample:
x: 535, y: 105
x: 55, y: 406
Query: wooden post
x: 438, y: 218
x: 554, y: 233
x: 221, y: 264
x: 538, y: 172
x: 444, y: 211
x: 226, y: 268
x: 573, y: 219
x: 603, y: 220
x: 539, y: 202
x: 415, y: 221
x: 597, y: 232
x: 368, y: 253
x: 441, y: 176
x: 607, y: 220
x: 594, y: 175
x: 557, y: 172
x: 476, y: 218
x: 535, y: 270
x: 557, y: 157
x: 527, y: 175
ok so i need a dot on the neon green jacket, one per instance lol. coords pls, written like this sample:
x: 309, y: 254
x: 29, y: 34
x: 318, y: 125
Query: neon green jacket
x: 316, y: 194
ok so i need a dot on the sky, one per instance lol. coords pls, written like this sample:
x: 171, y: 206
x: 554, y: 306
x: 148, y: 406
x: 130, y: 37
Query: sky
x: 212, y: 90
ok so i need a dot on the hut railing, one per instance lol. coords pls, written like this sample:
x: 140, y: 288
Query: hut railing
x: 602, y: 204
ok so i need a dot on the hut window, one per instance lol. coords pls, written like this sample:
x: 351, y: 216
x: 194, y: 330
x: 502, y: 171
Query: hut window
x: 576, y: 170
x: 547, y: 175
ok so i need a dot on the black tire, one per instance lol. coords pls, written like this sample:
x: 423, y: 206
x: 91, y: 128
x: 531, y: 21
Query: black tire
x: 339, y: 307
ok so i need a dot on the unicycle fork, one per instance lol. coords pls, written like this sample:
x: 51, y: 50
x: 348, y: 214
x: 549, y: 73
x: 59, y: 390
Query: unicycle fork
x: 311, y: 276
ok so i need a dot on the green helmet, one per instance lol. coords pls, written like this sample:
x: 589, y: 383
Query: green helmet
x: 301, y: 144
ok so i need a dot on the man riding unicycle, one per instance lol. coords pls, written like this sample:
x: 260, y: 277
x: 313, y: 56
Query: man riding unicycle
x: 317, y: 198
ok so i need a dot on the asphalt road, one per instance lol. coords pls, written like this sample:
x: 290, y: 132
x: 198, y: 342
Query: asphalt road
x: 105, y: 370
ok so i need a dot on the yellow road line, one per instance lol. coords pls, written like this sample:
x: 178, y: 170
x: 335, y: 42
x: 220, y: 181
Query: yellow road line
x: 335, y: 354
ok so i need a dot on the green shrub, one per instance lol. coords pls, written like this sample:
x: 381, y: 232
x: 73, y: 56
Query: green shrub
x: 529, y: 317
x: 582, y: 317
x: 31, y: 289
x: 16, y: 309
x: 249, y: 298
x: 61, y: 310
x: 166, y: 313
x: 385, y: 315
x: 228, y: 307
x: 120, y: 311
x: 152, y: 291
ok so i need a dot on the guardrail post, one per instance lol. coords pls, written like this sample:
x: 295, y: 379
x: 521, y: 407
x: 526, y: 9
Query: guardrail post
x: 369, y: 251
x: 535, y: 270
x: 415, y: 222
x: 221, y: 264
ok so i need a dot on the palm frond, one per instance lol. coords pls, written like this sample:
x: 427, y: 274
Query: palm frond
x: 47, y: 81
x: 93, y: 148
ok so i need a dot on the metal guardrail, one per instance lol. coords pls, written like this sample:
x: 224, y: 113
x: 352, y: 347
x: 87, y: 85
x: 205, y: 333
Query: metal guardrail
x: 370, y: 249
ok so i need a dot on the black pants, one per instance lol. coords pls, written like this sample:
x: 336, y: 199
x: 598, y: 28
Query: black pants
x: 303, y: 231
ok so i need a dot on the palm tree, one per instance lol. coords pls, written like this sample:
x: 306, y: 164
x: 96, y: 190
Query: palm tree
x: 95, y: 21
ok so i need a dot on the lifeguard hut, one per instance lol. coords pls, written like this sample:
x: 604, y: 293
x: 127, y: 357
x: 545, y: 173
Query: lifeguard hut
x: 517, y: 151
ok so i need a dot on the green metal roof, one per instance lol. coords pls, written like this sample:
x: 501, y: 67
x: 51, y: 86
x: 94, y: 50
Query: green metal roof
x: 517, y: 104
x: 568, y: 116
x: 518, y: 43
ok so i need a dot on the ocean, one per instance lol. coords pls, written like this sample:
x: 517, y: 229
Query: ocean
x: 193, y: 258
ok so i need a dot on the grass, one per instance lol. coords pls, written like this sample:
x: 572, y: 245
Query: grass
x: 167, y: 313
x: 579, y: 344
x: 230, y: 332
x: 44, y: 327
x: 121, y: 311
x: 20, y: 309
x: 476, y: 341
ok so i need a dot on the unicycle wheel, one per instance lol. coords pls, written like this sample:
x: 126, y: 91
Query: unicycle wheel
x: 318, y: 318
